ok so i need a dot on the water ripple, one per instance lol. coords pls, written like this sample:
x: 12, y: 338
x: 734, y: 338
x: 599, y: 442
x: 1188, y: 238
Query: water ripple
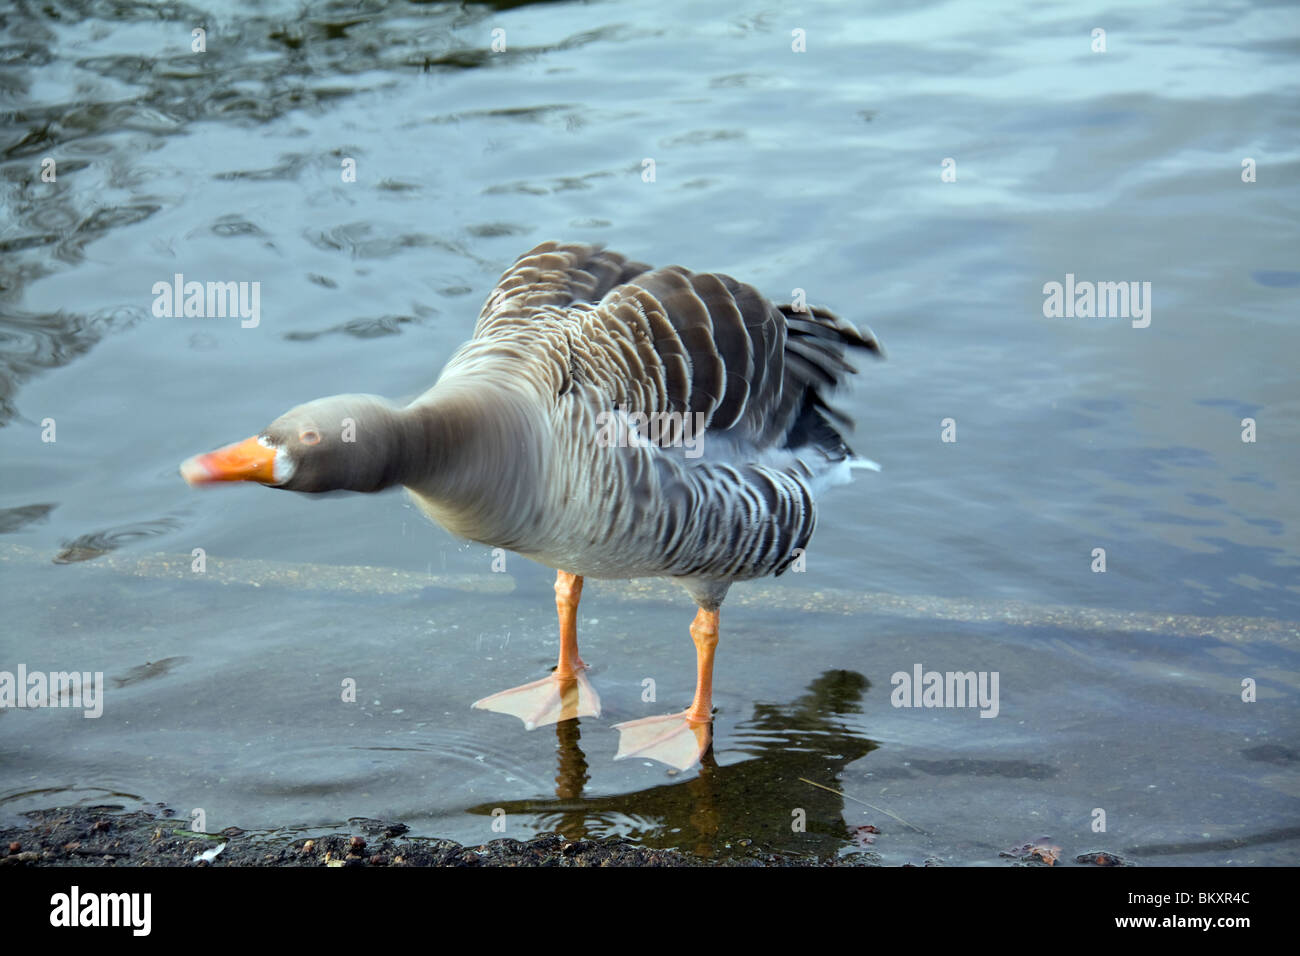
x: 95, y: 544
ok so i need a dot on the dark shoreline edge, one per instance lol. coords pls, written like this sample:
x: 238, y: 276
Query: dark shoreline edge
x: 109, y: 836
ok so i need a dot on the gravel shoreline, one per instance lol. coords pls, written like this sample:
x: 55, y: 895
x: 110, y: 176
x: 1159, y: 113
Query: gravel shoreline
x: 111, y: 837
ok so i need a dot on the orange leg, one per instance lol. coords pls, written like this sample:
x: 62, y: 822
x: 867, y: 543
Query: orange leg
x: 704, y: 632
x: 566, y: 692
x: 568, y: 592
x: 679, y: 740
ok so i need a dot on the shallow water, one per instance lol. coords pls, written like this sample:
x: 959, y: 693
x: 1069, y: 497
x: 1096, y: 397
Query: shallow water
x: 819, y: 171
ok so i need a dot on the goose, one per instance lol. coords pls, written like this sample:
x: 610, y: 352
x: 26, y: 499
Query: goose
x: 607, y: 420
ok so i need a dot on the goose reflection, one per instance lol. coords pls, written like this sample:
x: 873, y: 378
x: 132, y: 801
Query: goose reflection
x: 752, y: 805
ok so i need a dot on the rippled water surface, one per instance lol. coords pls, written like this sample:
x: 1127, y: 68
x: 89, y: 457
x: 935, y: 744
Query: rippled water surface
x: 819, y: 170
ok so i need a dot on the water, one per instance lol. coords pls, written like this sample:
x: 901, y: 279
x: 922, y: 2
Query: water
x: 819, y: 171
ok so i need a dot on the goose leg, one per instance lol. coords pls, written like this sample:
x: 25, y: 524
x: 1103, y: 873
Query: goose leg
x: 679, y: 740
x: 566, y: 693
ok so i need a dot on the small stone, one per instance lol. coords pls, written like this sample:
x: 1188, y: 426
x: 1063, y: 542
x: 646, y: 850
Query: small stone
x: 15, y: 847
x: 309, y: 846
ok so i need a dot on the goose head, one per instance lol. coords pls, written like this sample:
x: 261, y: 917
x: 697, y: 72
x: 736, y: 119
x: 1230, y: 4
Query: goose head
x: 344, y: 442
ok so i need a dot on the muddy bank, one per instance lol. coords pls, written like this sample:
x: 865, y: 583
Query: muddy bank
x: 102, y: 836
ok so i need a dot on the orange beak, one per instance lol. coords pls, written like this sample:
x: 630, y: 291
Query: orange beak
x: 247, y: 460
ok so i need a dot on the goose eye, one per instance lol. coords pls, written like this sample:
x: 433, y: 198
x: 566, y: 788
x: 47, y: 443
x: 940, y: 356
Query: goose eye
x: 309, y: 436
